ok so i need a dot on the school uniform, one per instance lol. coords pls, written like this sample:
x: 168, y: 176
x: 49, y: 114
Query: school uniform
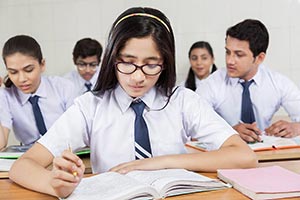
x: 269, y: 91
x: 56, y: 95
x: 106, y: 124
x: 197, y: 82
x: 79, y: 82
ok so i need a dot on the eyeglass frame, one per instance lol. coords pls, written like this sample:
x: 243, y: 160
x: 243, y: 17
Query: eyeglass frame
x: 139, y: 67
x: 83, y: 65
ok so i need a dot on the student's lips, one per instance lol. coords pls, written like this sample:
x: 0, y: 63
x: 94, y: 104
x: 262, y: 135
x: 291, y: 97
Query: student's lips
x: 137, y: 87
x: 24, y: 87
x: 231, y: 69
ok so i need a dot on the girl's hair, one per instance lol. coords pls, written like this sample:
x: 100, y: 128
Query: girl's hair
x: 190, y: 80
x: 23, y: 44
x: 139, y: 22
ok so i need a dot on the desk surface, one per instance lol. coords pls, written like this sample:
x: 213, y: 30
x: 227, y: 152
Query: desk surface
x: 10, y: 190
x: 271, y: 155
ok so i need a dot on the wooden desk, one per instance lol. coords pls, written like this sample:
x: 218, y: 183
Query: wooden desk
x: 267, y: 156
x: 10, y: 190
x: 277, y: 155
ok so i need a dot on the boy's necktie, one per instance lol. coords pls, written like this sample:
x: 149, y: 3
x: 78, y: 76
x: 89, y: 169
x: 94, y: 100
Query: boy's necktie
x: 88, y: 86
x: 39, y: 120
x: 141, y: 135
x: 247, y: 114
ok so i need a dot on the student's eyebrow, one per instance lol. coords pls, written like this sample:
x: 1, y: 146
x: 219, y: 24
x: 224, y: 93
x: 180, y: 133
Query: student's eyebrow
x: 26, y: 67
x: 154, y: 58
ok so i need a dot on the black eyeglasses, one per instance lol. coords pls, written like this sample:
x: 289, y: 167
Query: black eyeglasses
x: 83, y: 66
x: 148, y: 69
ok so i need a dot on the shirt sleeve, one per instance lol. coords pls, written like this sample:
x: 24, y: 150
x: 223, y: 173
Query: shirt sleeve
x: 5, y: 113
x: 204, y: 124
x: 290, y: 98
x: 70, y: 129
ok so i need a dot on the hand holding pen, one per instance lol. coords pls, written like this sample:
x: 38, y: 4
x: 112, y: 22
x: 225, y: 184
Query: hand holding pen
x: 248, y: 132
x: 67, y: 172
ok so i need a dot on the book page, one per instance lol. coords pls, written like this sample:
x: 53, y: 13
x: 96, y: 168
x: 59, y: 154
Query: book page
x: 110, y: 186
x: 5, y: 164
x: 176, y: 181
x: 270, y: 142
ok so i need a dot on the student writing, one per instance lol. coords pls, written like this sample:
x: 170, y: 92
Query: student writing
x: 30, y: 102
x: 134, y: 119
x: 247, y: 90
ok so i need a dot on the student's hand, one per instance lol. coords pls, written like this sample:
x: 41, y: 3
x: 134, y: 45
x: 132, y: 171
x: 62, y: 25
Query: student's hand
x: 142, y: 164
x: 248, y: 132
x: 283, y: 128
x: 66, y: 174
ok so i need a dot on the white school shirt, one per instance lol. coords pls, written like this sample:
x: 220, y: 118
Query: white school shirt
x: 197, y: 82
x: 79, y: 82
x: 56, y: 95
x: 269, y: 91
x: 106, y: 124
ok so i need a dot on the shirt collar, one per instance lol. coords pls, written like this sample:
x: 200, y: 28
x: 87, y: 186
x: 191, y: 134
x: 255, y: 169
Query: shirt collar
x: 124, y: 100
x: 41, y: 92
x: 258, y: 78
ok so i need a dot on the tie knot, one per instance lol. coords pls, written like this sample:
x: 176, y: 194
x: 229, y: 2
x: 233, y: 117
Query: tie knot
x: 34, y: 99
x: 246, y: 84
x: 138, y: 107
x: 88, y: 86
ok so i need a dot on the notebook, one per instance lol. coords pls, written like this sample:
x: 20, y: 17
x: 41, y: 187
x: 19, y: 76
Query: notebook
x: 263, y: 183
x: 15, y: 151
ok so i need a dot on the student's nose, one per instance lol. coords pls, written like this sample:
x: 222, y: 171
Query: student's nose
x: 230, y: 59
x: 138, y: 75
x: 22, y: 77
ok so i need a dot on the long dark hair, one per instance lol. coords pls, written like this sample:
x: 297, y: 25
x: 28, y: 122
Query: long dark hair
x: 23, y: 44
x: 190, y: 80
x: 132, y: 24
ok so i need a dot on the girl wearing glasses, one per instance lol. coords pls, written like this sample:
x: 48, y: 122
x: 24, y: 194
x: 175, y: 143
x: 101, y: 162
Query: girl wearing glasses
x: 24, y: 62
x: 135, y: 119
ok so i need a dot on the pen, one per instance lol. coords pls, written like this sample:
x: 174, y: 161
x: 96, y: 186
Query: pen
x: 70, y: 149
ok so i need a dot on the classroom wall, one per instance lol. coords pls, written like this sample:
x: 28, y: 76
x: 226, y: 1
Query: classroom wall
x: 58, y: 24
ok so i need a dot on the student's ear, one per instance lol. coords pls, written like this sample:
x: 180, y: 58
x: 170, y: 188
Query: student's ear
x: 260, y: 58
x: 43, y: 65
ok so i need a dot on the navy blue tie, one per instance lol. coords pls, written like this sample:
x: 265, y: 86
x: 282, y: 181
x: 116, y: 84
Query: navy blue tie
x: 141, y: 135
x: 247, y: 115
x: 39, y: 120
x: 88, y: 86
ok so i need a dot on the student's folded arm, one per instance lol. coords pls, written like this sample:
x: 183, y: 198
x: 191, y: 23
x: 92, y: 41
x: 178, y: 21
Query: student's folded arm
x: 234, y: 153
x: 30, y: 169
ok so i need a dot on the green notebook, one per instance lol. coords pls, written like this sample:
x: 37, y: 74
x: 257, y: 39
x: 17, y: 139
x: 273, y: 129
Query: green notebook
x: 15, y: 151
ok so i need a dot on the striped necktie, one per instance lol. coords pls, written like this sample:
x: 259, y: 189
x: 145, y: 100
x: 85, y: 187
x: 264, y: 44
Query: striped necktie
x: 247, y: 114
x: 39, y: 120
x: 141, y: 135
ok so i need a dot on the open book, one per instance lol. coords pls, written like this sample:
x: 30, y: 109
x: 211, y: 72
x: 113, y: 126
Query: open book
x: 272, y: 142
x: 143, y: 185
x: 263, y: 183
x: 268, y: 143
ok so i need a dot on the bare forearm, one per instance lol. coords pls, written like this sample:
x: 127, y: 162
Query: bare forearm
x: 230, y: 157
x: 39, y: 179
